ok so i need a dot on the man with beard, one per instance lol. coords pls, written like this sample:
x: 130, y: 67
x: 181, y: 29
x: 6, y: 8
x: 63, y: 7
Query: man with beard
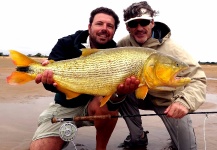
x: 103, y: 23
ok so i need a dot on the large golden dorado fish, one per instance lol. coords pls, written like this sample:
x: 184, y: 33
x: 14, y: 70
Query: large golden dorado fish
x: 99, y: 72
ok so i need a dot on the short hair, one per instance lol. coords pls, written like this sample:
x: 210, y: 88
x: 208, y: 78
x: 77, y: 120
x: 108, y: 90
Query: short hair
x: 134, y: 10
x: 107, y: 11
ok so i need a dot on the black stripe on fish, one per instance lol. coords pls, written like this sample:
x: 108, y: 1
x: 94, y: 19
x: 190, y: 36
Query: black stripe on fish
x: 23, y: 69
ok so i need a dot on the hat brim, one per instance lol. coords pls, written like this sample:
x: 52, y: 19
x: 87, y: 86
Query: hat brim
x: 144, y: 16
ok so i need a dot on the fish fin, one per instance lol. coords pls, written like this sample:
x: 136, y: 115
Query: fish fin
x: 141, y: 92
x: 51, y: 61
x: 88, y: 51
x: 69, y: 94
x: 20, y: 59
x: 104, y: 100
x: 19, y: 78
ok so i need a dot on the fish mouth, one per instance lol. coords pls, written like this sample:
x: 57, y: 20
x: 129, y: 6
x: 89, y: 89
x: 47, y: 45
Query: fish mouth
x: 174, y: 82
x: 178, y: 80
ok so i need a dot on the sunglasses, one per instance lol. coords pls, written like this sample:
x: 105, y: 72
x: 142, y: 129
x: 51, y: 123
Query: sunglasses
x: 142, y: 22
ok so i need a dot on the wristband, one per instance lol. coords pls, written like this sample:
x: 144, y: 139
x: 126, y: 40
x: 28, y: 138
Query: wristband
x: 118, y: 96
x: 116, y: 102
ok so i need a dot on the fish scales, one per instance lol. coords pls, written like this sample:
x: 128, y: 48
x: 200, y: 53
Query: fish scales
x: 104, y: 68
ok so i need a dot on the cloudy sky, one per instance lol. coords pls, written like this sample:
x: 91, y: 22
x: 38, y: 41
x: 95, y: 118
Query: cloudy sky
x: 32, y: 26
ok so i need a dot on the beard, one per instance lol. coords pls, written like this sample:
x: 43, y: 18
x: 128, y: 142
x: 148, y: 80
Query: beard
x: 100, y: 44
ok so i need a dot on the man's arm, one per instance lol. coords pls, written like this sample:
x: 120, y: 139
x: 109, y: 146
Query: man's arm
x: 192, y: 96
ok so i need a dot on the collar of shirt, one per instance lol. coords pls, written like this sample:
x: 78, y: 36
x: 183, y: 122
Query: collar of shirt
x: 87, y: 44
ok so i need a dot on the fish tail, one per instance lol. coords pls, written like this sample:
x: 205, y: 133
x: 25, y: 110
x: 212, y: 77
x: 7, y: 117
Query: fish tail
x: 22, y: 62
x: 20, y: 59
x: 19, y: 78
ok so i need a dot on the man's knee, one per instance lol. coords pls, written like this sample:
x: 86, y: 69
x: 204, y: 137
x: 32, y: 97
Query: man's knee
x: 94, y: 107
x: 54, y: 143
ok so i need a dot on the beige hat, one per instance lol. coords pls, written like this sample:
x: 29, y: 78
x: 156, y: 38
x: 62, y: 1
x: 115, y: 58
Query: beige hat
x: 144, y: 15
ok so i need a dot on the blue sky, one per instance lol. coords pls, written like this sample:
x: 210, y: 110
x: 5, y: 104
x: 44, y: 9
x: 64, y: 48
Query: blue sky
x: 32, y: 26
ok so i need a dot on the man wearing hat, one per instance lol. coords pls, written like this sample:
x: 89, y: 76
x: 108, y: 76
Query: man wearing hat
x: 145, y: 32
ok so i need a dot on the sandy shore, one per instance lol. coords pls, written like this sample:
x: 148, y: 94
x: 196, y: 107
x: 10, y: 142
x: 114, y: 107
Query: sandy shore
x: 20, y: 107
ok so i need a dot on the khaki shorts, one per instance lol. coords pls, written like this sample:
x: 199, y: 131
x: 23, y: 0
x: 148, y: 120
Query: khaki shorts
x: 48, y: 129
